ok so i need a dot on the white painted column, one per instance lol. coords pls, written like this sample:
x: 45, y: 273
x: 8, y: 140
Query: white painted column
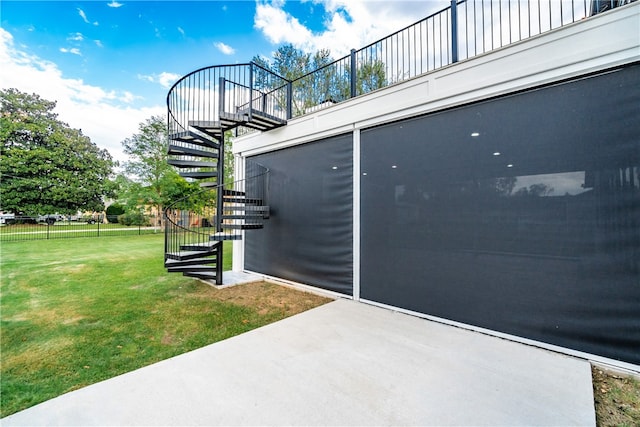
x: 356, y: 214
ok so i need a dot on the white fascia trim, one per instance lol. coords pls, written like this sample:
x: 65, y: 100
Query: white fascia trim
x: 310, y: 137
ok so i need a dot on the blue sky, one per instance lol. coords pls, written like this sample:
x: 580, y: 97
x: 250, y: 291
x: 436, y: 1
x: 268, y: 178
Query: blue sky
x: 109, y: 64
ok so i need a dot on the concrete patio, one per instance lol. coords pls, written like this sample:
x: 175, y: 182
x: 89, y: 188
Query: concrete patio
x: 344, y: 363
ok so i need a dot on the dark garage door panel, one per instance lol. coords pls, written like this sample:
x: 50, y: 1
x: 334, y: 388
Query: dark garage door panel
x: 519, y: 214
x: 309, y: 235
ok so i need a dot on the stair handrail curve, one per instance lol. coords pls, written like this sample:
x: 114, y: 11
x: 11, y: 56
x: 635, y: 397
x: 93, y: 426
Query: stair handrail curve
x: 196, y: 97
x: 186, y: 227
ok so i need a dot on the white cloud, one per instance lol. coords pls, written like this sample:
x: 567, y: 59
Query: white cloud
x: 115, y: 4
x: 150, y: 79
x: 349, y: 24
x: 100, y: 113
x: 76, y: 37
x: 181, y: 31
x: 98, y: 43
x: 84, y: 17
x: 127, y: 97
x: 279, y: 26
x: 164, y: 79
x: 73, y: 50
x: 224, y: 48
x: 167, y: 79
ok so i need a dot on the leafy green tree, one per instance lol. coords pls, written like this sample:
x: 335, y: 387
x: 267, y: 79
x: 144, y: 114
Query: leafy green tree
x: 370, y: 76
x: 147, y: 152
x: 151, y: 180
x: 316, y: 80
x: 46, y: 166
x: 147, y: 166
x: 292, y: 64
x: 229, y: 161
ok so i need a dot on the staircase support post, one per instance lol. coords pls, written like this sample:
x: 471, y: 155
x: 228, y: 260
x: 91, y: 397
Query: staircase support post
x: 219, y: 264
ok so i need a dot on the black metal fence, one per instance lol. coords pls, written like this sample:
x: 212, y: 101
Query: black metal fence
x: 31, y: 228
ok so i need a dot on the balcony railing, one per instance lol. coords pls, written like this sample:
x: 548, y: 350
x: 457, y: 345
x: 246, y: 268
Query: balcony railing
x: 465, y: 29
x: 203, y: 96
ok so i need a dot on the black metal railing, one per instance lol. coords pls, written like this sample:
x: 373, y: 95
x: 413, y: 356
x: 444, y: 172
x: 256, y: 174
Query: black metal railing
x: 465, y: 29
x: 19, y: 228
x: 184, y: 227
x: 199, y: 98
x: 243, y: 204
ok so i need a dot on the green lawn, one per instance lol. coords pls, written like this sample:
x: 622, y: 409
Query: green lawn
x: 78, y: 311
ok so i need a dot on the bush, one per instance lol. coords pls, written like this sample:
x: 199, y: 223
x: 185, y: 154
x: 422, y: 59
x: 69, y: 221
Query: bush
x: 113, y: 211
x: 133, y: 218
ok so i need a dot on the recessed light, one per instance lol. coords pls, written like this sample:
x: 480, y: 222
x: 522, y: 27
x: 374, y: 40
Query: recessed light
x: 394, y: 167
x: 474, y: 134
x: 509, y: 165
x: 497, y: 153
x: 364, y: 173
x: 334, y: 167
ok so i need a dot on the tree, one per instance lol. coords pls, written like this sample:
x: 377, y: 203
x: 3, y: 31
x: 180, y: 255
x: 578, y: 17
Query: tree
x: 535, y: 190
x: 316, y: 79
x: 148, y: 165
x: 292, y: 64
x: 152, y: 181
x: 370, y: 76
x: 46, y: 166
x: 148, y: 152
x: 229, y: 161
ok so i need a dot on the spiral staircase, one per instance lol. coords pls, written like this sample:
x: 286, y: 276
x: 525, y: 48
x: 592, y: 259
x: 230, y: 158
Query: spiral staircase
x: 203, y: 106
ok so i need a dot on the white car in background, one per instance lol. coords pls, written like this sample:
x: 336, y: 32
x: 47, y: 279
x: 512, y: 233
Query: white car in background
x: 7, y: 218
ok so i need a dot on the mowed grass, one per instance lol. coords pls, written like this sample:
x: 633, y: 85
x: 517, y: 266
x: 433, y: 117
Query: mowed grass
x: 617, y: 398
x: 78, y: 311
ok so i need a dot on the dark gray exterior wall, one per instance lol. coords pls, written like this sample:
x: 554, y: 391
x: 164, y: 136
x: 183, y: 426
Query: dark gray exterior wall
x: 530, y: 228
x: 309, y: 235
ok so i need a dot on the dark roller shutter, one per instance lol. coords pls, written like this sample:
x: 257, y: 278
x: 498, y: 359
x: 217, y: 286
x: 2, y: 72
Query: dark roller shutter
x: 309, y: 235
x: 519, y: 214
